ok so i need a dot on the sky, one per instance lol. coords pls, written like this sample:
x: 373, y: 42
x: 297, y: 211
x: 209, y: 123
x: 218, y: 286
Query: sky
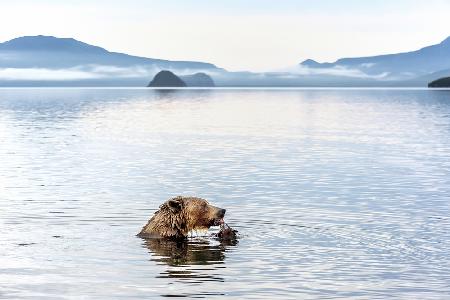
x: 255, y: 35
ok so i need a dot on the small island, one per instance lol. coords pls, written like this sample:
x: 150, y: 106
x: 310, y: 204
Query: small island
x: 440, y: 83
x: 199, y: 80
x: 166, y: 79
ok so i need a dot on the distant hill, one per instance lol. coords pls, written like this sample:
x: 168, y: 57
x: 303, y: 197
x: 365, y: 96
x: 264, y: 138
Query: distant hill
x: 440, y: 83
x: 169, y: 79
x: 198, y: 80
x: 401, y: 66
x: 52, y: 52
x: 166, y: 79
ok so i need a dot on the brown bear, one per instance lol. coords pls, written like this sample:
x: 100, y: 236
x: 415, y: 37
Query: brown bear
x: 178, y: 216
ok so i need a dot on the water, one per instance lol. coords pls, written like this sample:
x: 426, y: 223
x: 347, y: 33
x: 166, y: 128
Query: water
x: 336, y: 193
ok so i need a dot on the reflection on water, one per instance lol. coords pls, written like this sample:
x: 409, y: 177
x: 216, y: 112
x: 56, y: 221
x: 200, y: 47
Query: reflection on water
x: 337, y: 193
x: 184, y: 257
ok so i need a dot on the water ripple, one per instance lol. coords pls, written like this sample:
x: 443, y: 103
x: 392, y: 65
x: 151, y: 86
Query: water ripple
x: 335, y: 194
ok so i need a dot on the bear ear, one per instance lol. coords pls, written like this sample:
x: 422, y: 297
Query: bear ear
x: 175, y: 205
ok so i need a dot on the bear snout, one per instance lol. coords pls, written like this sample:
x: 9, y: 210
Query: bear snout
x: 221, y: 213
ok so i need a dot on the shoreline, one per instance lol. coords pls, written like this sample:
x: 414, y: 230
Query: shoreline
x: 222, y: 88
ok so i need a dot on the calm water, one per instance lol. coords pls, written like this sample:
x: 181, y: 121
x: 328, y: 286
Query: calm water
x: 337, y: 193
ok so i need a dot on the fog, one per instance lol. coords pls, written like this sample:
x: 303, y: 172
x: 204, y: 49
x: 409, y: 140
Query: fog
x: 84, y: 72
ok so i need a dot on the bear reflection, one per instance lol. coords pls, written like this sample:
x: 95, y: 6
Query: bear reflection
x: 186, y: 257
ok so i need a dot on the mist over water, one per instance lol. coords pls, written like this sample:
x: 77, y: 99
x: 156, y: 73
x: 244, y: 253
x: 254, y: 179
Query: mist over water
x: 336, y: 193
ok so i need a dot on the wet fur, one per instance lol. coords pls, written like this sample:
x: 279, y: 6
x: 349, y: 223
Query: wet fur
x: 178, y: 216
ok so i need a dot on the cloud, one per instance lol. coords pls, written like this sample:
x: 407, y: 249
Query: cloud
x: 335, y: 71
x: 367, y: 65
x: 44, y: 74
x: 85, y: 72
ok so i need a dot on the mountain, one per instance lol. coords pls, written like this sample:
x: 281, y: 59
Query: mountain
x: 401, y: 66
x: 166, y: 79
x: 52, y: 52
x: 198, y: 80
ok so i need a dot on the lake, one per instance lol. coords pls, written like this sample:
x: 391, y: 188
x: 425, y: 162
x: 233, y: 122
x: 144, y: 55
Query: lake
x: 336, y: 193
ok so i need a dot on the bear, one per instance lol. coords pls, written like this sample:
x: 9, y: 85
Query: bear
x: 178, y: 216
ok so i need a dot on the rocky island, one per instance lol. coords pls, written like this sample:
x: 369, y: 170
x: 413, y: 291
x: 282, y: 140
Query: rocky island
x: 166, y: 79
x: 440, y: 83
x: 198, y: 80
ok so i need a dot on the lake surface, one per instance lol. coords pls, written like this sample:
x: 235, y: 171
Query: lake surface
x: 336, y: 193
